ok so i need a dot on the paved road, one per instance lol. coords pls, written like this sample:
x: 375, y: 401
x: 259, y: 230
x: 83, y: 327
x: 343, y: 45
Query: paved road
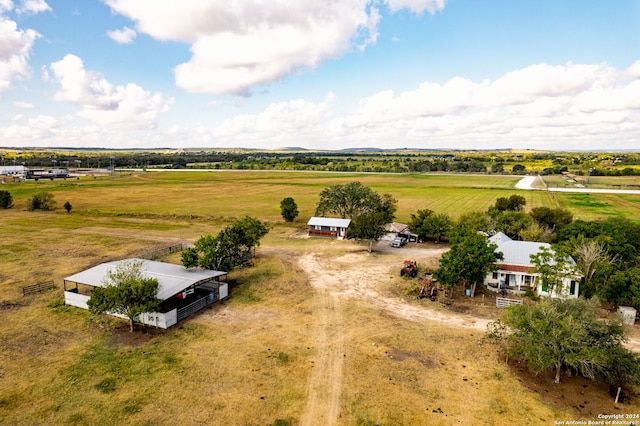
x: 528, y: 182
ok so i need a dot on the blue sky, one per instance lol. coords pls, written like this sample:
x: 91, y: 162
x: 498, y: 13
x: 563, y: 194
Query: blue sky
x: 453, y: 74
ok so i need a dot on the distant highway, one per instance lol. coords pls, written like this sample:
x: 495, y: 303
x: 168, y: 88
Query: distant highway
x: 528, y: 182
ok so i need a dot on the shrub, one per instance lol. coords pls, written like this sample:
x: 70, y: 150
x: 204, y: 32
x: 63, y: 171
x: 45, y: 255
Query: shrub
x: 41, y: 201
x: 6, y: 200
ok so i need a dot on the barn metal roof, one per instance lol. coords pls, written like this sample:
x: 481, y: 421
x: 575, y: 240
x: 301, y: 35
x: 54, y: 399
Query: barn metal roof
x: 172, y: 278
x: 329, y: 221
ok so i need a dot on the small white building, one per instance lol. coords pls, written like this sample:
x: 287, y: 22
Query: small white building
x: 13, y: 170
x: 328, y: 227
x: 183, y: 291
x: 517, y: 274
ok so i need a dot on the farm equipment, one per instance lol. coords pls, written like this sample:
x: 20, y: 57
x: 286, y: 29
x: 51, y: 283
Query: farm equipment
x: 409, y: 269
x: 428, y: 288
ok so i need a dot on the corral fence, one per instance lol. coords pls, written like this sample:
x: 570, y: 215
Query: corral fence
x: 156, y: 254
x: 503, y: 302
x: 37, y: 288
x: 194, y: 307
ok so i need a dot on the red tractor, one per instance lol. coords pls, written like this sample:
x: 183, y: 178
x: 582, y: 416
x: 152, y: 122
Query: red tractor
x: 409, y: 269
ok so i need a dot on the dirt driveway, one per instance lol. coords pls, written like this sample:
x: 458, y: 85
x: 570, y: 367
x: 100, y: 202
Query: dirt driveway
x: 356, y: 276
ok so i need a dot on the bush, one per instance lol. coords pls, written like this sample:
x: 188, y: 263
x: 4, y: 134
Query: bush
x: 6, y: 200
x: 41, y: 201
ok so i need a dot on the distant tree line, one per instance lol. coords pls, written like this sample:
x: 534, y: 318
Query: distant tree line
x: 424, y: 161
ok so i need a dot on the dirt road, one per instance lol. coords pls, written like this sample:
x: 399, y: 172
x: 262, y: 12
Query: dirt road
x: 353, y: 277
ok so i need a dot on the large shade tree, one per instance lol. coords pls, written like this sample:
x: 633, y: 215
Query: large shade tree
x: 469, y: 260
x: 353, y: 199
x: 368, y: 210
x: 567, y: 333
x: 126, y: 292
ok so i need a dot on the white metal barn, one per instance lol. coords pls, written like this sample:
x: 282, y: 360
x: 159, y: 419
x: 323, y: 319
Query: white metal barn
x: 183, y: 291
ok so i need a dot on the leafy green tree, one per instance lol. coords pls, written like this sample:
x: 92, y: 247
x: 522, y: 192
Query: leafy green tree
x: 369, y: 226
x: 554, y: 267
x: 497, y: 168
x: 511, y: 223
x: 126, y: 292
x: 427, y: 224
x: 556, y: 334
x: 438, y: 226
x: 6, y: 200
x: 470, y: 259
x: 551, y: 219
x: 289, y: 209
x: 416, y: 223
x: 353, y: 199
x: 473, y: 222
x: 518, y: 169
x: 229, y: 248
x: 514, y: 203
x: 67, y: 206
x: 41, y: 201
x: 532, y: 233
x: 622, y: 288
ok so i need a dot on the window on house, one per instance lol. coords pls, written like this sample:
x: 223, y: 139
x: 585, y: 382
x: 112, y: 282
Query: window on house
x: 494, y: 276
x: 333, y: 229
x: 528, y: 280
x: 572, y: 288
x: 317, y: 228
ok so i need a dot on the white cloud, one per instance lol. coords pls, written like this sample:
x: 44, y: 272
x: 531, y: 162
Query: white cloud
x: 127, y: 106
x: 15, y: 48
x: 6, y: 5
x: 25, y: 105
x: 124, y: 35
x: 251, y: 42
x: 28, y: 7
x: 554, y: 107
x: 416, y: 6
x: 634, y: 70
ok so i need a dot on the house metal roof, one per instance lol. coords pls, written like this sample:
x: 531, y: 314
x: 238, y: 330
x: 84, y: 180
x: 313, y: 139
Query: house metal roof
x: 516, y: 252
x: 329, y: 221
x: 172, y: 279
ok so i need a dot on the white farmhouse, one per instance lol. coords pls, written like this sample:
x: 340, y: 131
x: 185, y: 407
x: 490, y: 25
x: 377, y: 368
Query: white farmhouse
x: 517, y: 274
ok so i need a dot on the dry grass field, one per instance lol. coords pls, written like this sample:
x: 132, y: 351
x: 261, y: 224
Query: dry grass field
x: 316, y: 332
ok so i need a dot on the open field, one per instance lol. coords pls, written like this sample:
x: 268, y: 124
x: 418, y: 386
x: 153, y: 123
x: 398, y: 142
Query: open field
x: 316, y: 332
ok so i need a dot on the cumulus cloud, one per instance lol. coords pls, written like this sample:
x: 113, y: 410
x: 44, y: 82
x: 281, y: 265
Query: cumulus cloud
x: 253, y: 42
x: 123, y: 35
x: 128, y: 106
x: 554, y: 107
x: 15, y: 48
x: 29, y: 7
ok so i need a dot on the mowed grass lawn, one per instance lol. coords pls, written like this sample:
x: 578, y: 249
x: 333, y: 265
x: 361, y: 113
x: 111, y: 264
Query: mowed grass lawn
x: 248, y: 361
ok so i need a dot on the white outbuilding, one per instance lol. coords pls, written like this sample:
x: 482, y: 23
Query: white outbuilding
x: 183, y: 291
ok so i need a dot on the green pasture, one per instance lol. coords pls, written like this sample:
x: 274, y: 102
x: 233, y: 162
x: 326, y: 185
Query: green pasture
x: 226, y: 195
x: 247, y: 361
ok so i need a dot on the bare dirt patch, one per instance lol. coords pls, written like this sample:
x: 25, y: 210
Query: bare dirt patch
x: 582, y: 397
x: 360, y: 276
x: 7, y: 305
